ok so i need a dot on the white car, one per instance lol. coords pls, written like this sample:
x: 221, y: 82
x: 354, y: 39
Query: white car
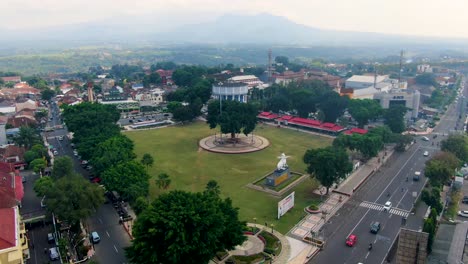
x: 60, y: 138
x: 387, y: 206
x: 75, y: 153
x: 426, y: 153
x: 55, y: 153
x: 463, y: 213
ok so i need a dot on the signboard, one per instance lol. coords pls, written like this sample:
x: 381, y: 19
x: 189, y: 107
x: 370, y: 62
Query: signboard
x: 286, y: 204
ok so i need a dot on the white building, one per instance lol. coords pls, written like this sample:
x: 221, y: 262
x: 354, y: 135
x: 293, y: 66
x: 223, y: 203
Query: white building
x: 400, y: 97
x: 154, y: 97
x: 251, y: 80
x: 231, y: 91
x: 366, y: 86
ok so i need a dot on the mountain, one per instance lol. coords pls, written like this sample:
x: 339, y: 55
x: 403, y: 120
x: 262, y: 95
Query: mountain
x: 226, y: 29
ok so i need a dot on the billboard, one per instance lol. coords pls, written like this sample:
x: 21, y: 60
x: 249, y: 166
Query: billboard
x: 286, y: 204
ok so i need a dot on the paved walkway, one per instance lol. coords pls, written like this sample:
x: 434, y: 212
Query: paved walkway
x: 312, y: 223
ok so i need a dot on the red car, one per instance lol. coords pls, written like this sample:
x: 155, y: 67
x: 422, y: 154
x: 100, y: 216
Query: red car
x: 96, y: 180
x: 351, y: 240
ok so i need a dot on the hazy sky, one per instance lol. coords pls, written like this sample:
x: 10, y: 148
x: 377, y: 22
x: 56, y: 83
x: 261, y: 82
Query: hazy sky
x: 414, y: 17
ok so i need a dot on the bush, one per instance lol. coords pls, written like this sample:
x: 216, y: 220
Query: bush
x: 313, y: 207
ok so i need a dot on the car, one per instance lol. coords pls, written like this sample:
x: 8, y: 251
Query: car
x: 387, y: 206
x: 140, y: 120
x: 53, y: 253
x: 23, y: 179
x: 72, y: 145
x: 375, y: 227
x: 75, y: 153
x: 435, y: 136
x: 50, y: 238
x: 463, y: 213
x: 89, y: 167
x: 426, y: 153
x: 60, y: 138
x: 130, y: 121
x: 43, y: 204
x: 84, y: 163
x: 96, y: 180
x: 55, y: 152
x: 351, y: 240
x: 465, y: 200
x: 416, y: 176
x: 95, y: 237
x: 425, y: 138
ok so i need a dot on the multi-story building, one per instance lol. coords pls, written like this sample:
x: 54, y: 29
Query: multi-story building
x: 410, y: 99
x: 251, y: 80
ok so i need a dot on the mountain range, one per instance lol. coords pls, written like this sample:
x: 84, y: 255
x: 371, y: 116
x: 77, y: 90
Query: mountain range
x: 227, y: 29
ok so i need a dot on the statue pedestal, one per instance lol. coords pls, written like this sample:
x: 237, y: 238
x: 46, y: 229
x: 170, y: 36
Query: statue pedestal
x: 278, y: 177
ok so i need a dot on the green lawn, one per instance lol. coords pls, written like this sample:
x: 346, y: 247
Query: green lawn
x: 176, y: 152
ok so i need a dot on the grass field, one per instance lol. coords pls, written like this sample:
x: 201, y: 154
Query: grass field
x: 176, y: 152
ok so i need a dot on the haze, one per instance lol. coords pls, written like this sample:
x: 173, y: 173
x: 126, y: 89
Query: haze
x: 414, y: 17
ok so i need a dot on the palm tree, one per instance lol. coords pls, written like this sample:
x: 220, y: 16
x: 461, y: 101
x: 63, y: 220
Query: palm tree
x: 213, y: 187
x: 147, y: 160
x: 163, y: 181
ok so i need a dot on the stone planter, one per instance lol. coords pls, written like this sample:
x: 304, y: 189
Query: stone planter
x: 312, y: 211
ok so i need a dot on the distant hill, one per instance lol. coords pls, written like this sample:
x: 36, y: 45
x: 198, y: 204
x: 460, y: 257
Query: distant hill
x: 231, y: 28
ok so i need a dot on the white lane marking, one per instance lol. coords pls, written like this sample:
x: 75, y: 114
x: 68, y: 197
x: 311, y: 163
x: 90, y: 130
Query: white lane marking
x: 367, y: 254
x: 100, y: 220
x: 384, y: 190
x: 116, y: 249
x: 107, y: 233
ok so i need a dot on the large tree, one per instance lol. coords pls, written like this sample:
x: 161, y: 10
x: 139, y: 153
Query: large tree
x: 129, y: 179
x: 188, y: 227
x: 328, y: 165
x: 71, y: 198
x: 63, y: 166
x: 458, y: 145
x: 394, y: 118
x: 235, y: 117
x: 364, y: 110
x: 111, y: 152
x: 147, y: 160
x: 441, y: 167
x: 332, y: 105
x: 27, y: 137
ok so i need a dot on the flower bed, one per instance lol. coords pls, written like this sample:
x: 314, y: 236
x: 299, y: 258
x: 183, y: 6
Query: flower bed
x: 253, y: 259
x: 312, y: 209
x: 272, y: 243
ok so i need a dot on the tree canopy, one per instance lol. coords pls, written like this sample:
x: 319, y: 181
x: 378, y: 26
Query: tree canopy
x: 441, y: 167
x: 63, y: 166
x: 235, y: 118
x: 27, y: 137
x: 189, y: 227
x: 111, y: 152
x: 363, y: 110
x: 129, y: 179
x: 458, y: 145
x: 328, y: 165
x: 70, y: 198
x: 394, y: 118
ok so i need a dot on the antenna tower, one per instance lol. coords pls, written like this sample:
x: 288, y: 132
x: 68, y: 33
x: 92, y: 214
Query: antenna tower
x: 402, y: 53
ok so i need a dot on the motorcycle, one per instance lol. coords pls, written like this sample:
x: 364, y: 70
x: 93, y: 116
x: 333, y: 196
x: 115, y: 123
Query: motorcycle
x: 370, y: 246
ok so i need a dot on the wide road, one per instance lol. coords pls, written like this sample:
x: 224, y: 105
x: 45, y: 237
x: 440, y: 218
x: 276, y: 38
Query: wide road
x: 366, y: 206
x: 106, y: 220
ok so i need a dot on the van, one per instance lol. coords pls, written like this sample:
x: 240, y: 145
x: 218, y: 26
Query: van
x: 95, y: 237
x: 53, y: 253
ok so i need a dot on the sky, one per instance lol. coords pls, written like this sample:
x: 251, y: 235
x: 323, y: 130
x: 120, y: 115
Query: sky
x: 410, y: 17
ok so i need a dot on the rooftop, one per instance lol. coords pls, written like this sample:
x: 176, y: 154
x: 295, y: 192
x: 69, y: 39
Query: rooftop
x: 8, y: 230
x: 366, y: 79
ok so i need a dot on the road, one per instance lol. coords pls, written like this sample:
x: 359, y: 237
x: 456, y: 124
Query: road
x: 106, y: 220
x: 366, y: 206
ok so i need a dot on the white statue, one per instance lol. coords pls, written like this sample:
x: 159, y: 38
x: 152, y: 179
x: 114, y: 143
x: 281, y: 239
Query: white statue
x: 282, y: 162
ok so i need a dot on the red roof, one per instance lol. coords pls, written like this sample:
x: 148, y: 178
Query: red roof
x: 267, y: 115
x: 286, y: 117
x: 11, y: 186
x: 305, y: 121
x: 356, y: 130
x: 8, y: 230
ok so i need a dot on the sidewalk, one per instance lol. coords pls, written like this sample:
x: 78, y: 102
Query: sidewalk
x: 128, y: 225
x: 313, y: 223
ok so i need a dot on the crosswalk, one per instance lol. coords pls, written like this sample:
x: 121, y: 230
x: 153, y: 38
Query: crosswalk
x: 379, y: 207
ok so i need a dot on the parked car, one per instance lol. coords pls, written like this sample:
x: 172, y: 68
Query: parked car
x: 50, y: 238
x: 387, y: 206
x: 425, y: 138
x: 95, y: 237
x: 75, y: 153
x: 463, y: 213
x: 351, y: 240
x: 23, y: 179
x: 60, y: 138
x: 55, y: 153
x: 53, y: 253
x: 375, y: 227
x: 416, y: 176
x: 426, y: 153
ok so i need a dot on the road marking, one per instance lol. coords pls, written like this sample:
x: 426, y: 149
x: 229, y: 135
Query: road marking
x: 107, y: 233
x: 367, y: 254
x: 100, y: 221
x: 116, y: 249
x: 384, y: 190
x: 379, y: 207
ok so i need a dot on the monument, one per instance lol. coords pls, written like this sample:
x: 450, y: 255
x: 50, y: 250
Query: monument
x: 280, y: 174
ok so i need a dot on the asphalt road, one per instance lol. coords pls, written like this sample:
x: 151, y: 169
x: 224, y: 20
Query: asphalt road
x: 106, y: 220
x: 366, y: 206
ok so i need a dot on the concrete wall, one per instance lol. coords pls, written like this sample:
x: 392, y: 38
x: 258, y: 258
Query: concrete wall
x: 412, y: 247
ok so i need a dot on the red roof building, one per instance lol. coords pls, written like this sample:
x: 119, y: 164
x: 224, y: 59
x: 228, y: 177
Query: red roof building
x: 8, y: 228
x: 11, y: 186
x: 356, y: 130
x: 14, y: 79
